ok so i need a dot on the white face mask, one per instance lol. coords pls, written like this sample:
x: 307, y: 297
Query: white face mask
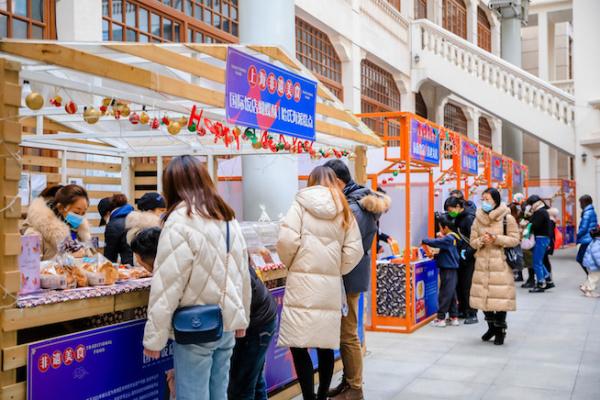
x: 527, y: 211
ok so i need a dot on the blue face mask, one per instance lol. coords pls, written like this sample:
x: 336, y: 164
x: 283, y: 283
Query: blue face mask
x: 486, y: 207
x: 74, y: 220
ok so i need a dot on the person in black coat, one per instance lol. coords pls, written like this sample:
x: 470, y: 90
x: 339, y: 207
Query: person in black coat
x: 115, y: 234
x: 463, y: 213
x: 246, y: 374
x: 541, y: 228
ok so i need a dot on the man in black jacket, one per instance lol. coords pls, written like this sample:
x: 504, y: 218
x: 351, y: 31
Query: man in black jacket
x: 367, y: 207
x: 463, y: 213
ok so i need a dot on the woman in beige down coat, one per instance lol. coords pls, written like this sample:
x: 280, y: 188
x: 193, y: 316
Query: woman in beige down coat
x: 319, y: 242
x: 193, y: 267
x: 493, y: 288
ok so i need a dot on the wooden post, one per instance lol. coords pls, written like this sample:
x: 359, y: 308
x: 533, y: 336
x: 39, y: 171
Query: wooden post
x: 10, y: 173
x: 360, y: 165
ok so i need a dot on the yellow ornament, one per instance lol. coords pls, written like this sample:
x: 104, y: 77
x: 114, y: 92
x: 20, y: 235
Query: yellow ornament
x: 34, y: 101
x: 144, y: 118
x: 183, y: 121
x: 106, y: 101
x: 174, y: 128
x: 91, y: 115
x: 125, y: 110
x: 257, y: 145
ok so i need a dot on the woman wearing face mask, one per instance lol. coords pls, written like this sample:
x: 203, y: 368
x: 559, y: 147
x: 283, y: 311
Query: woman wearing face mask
x: 493, y: 287
x: 59, y: 218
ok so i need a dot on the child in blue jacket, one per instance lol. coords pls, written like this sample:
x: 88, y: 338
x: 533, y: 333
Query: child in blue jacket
x: 447, y: 262
x: 591, y: 261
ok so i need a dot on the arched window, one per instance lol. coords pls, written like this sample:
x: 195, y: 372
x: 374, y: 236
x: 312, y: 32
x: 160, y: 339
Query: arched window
x: 379, y: 93
x: 26, y: 19
x: 315, y: 51
x: 455, y: 119
x: 455, y: 17
x: 420, y: 106
x: 420, y: 9
x: 485, y: 132
x: 484, y: 31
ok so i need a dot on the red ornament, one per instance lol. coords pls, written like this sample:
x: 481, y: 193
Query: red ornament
x: 287, y: 146
x: 155, y: 123
x: 165, y: 120
x: 71, y: 107
x: 201, y: 131
x: 384, y: 182
x: 195, y: 117
x: 134, y: 118
x: 56, y: 101
x: 117, y: 114
x: 103, y: 109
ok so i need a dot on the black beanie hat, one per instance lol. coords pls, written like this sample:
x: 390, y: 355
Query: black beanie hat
x: 495, y: 196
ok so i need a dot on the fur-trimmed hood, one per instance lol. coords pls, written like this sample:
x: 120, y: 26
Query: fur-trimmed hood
x: 138, y: 220
x: 377, y: 203
x: 42, y: 220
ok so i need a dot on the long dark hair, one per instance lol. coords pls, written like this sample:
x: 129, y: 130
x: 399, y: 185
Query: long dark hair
x: 69, y: 194
x: 117, y: 200
x: 187, y: 180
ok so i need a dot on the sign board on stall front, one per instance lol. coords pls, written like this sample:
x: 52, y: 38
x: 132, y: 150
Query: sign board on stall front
x: 424, y: 143
x: 497, y: 168
x: 103, y: 363
x: 426, y: 289
x: 261, y: 95
x: 469, y: 158
x: 517, y: 174
x: 29, y: 263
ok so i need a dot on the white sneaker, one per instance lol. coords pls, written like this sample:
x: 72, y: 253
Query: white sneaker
x: 592, y: 294
x: 439, y: 323
x: 454, y: 322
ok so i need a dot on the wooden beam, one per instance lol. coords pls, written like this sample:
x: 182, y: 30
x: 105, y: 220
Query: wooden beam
x: 38, y: 161
x: 15, y: 391
x: 350, y: 134
x: 77, y: 164
x: 14, y: 357
x: 131, y: 300
x: 333, y: 112
x: 218, y: 51
x: 49, y: 125
x: 162, y: 55
x: 78, y: 60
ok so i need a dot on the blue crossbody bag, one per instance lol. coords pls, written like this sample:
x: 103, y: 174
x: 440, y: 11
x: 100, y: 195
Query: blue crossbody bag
x: 201, y: 324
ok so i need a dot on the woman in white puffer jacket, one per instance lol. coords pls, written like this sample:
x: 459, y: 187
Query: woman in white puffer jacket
x: 319, y: 242
x: 190, y: 269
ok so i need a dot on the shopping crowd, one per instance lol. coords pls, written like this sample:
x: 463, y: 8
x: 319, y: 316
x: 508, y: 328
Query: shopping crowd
x: 207, y: 297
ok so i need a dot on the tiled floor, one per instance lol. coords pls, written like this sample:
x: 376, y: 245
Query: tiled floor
x: 552, y: 351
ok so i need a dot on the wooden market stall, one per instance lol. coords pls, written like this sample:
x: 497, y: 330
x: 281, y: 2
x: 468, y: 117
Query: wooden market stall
x: 111, y: 116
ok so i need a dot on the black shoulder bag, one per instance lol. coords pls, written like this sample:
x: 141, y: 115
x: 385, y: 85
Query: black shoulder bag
x: 514, y: 255
x: 204, y: 323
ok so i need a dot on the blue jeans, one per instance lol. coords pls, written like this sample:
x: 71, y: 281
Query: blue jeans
x: 246, y: 378
x: 202, y: 370
x: 539, y: 250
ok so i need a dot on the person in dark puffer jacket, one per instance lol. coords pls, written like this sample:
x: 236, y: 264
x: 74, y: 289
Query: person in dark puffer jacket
x: 367, y: 207
x: 115, y: 235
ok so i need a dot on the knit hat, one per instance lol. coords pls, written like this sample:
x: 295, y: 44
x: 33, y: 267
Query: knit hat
x: 150, y: 201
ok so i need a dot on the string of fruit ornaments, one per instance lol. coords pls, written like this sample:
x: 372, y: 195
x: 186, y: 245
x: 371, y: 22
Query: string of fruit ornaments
x: 194, y: 123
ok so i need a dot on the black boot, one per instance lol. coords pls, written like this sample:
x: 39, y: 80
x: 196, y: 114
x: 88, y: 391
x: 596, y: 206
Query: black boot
x: 500, y: 335
x: 529, y: 284
x: 491, y: 332
x: 539, y: 288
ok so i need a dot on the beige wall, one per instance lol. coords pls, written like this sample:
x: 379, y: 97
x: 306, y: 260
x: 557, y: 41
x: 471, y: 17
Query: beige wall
x: 530, y: 53
x: 531, y: 155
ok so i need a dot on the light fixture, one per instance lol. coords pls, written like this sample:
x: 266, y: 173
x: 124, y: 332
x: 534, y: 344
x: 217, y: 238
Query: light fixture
x: 417, y: 59
x: 583, y: 157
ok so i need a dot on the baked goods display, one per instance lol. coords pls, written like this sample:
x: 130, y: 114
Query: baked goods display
x: 261, y: 239
x: 126, y: 273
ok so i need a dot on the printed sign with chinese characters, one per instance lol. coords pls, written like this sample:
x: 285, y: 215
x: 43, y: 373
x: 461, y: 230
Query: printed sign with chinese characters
x: 497, y: 168
x: 103, y: 363
x: 263, y: 96
x: 29, y: 263
x: 424, y: 143
x: 469, y: 158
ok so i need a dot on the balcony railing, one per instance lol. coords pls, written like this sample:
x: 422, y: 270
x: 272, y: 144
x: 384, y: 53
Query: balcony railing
x: 567, y: 85
x: 498, y: 73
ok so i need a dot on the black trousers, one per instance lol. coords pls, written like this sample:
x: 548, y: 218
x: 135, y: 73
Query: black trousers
x: 498, y: 318
x: 305, y: 372
x: 463, y: 288
x: 447, y: 298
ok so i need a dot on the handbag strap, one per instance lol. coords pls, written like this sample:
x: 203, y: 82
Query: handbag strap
x: 504, y: 223
x: 227, y: 246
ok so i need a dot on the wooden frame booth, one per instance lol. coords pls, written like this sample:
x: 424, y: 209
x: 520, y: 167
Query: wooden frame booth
x: 562, y: 195
x: 90, y: 113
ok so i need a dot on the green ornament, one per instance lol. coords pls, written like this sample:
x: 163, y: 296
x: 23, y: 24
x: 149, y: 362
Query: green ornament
x: 192, y: 127
x: 395, y: 173
x: 253, y: 139
x: 280, y: 146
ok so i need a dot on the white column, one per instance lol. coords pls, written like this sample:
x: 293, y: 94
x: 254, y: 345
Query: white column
x: 126, y: 177
x: 269, y: 180
x: 543, y: 46
x: 435, y: 11
x: 439, y: 112
x: 408, y: 8
x: 472, y: 22
x: 545, y: 168
x: 159, y: 173
x: 496, y: 125
x: 64, y: 167
x: 586, y: 64
x: 79, y: 20
x: 495, y: 35
x: 473, y: 115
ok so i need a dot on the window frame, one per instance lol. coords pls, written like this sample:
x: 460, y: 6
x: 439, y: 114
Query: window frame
x: 485, y: 128
x: 420, y: 9
x: 163, y: 11
x: 455, y: 17
x: 455, y: 119
x: 484, y: 30
x: 320, y: 57
x: 48, y: 29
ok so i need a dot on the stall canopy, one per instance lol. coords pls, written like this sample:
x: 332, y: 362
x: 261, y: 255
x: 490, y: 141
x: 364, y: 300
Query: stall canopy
x: 158, y: 79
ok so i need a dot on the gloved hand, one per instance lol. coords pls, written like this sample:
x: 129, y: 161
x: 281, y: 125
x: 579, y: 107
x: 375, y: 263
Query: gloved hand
x: 463, y: 254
